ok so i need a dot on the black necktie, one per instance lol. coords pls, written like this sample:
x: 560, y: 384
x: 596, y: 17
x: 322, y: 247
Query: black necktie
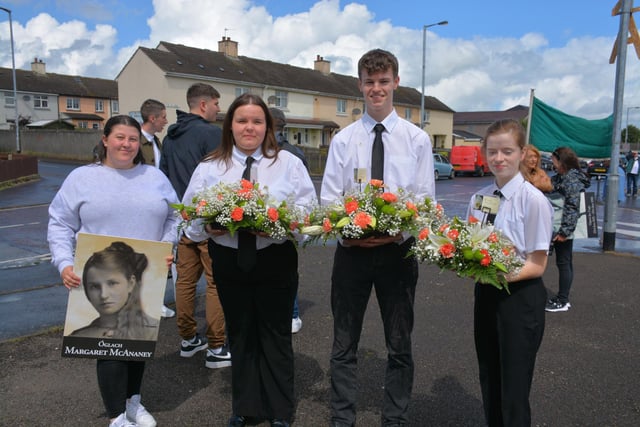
x: 247, y: 251
x: 492, y: 217
x: 377, y: 154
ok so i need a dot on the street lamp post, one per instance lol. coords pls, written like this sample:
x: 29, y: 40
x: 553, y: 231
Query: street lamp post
x: 626, y: 133
x: 15, y: 89
x: 424, y: 54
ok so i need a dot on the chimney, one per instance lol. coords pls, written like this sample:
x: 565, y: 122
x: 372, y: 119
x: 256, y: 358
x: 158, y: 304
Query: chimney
x: 38, y: 67
x: 321, y: 65
x: 228, y: 47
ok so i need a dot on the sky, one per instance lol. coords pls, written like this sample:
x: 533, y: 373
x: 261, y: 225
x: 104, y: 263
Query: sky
x: 489, y: 56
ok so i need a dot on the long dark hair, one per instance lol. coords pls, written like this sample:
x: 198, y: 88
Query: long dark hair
x: 100, y: 152
x: 269, y: 146
x: 567, y: 159
x: 121, y: 257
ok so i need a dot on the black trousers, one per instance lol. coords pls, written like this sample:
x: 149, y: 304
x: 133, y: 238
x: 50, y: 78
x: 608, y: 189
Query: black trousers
x: 394, y: 276
x: 118, y: 380
x: 258, y: 306
x: 508, y: 330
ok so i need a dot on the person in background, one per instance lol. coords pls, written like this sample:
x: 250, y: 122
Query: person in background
x: 279, y: 123
x: 186, y: 144
x: 154, y: 119
x: 569, y: 182
x: 532, y: 172
x: 112, y: 282
x: 257, y: 299
x: 99, y: 199
x: 508, y: 327
x: 378, y: 262
x: 632, y: 169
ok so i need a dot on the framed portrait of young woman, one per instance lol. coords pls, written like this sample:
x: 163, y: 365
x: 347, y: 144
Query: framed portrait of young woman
x: 115, y: 312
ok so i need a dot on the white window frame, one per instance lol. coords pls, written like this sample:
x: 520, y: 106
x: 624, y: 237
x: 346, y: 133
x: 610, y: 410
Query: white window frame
x: 115, y: 106
x: 242, y: 91
x: 407, y: 113
x: 72, y: 102
x: 99, y: 106
x: 341, y: 106
x: 281, y: 99
x: 9, y: 100
x: 40, y: 102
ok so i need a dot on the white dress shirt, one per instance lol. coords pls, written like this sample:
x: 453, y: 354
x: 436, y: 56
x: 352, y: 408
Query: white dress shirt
x: 286, y: 179
x: 525, y: 215
x: 408, y: 159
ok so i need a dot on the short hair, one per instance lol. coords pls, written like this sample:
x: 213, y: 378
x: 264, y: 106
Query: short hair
x: 151, y: 107
x: 506, y: 126
x: 279, y: 119
x: 378, y: 60
x: 200, y: 90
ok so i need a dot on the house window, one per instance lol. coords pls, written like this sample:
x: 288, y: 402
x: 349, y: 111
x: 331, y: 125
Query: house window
x: 96, y: 126
x: 83, y: 125
x: 426, y: 116
x: 407, y: 114
x: 9, y: 100
x: 341, y: 106
x: 281, y: 99
x: 115, y: 106
x: 242, y: 91
x: 40, y: 101
x: 99, y: 106
x: 73, y: 104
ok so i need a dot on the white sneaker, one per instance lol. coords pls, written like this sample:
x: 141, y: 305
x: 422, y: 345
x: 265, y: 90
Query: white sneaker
x: 296, y: 325
x: 167, y: 312
x: 137, y: 413
x: 122, y: 421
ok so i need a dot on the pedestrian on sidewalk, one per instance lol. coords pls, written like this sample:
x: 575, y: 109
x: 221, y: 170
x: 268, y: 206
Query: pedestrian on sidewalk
x: 569, y: 182
x: 382, y: 146
x: 256, y: 295
x: 187, y: 142
x: 154, y: 119
x: 508, y: 327
x: 632, y: 170
x: 117, y: 196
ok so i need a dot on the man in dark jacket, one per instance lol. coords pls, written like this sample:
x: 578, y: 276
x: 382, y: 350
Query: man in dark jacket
x: 186, y: 143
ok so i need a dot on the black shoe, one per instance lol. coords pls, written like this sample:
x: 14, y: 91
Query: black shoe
x: 190, y: 347
x: 279, y: 423
x: 237, y: 421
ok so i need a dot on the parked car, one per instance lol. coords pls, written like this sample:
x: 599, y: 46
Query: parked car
x: 468, y: 159
x: 545, y: 162
x: 598, y: 166
x: 442, y: 167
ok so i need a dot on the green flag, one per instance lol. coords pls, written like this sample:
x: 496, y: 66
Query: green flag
x: 551, y: 128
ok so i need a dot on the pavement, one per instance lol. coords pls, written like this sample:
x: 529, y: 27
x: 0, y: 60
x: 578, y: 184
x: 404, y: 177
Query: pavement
x: 586, y: 371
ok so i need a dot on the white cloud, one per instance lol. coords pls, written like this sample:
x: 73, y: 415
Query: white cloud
x: 466, y: 74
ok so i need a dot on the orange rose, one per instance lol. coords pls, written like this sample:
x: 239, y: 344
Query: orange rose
x: 362, y: 220
x: 326, y: 225
x: 351, y: 206
x: 453, y: 234
x: 485, y: 261
x: 246, y: 185
x: 443, y: 228
x: 424, y: 233
x: 377, y: 183
x: 272, y: 213
x: 185, y: 215
x: 447, y: 250
x: 473, y: 219
x: 411, y: 207
x: 237, y: 214
x: 493, y: 238
x: 389, y: 197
